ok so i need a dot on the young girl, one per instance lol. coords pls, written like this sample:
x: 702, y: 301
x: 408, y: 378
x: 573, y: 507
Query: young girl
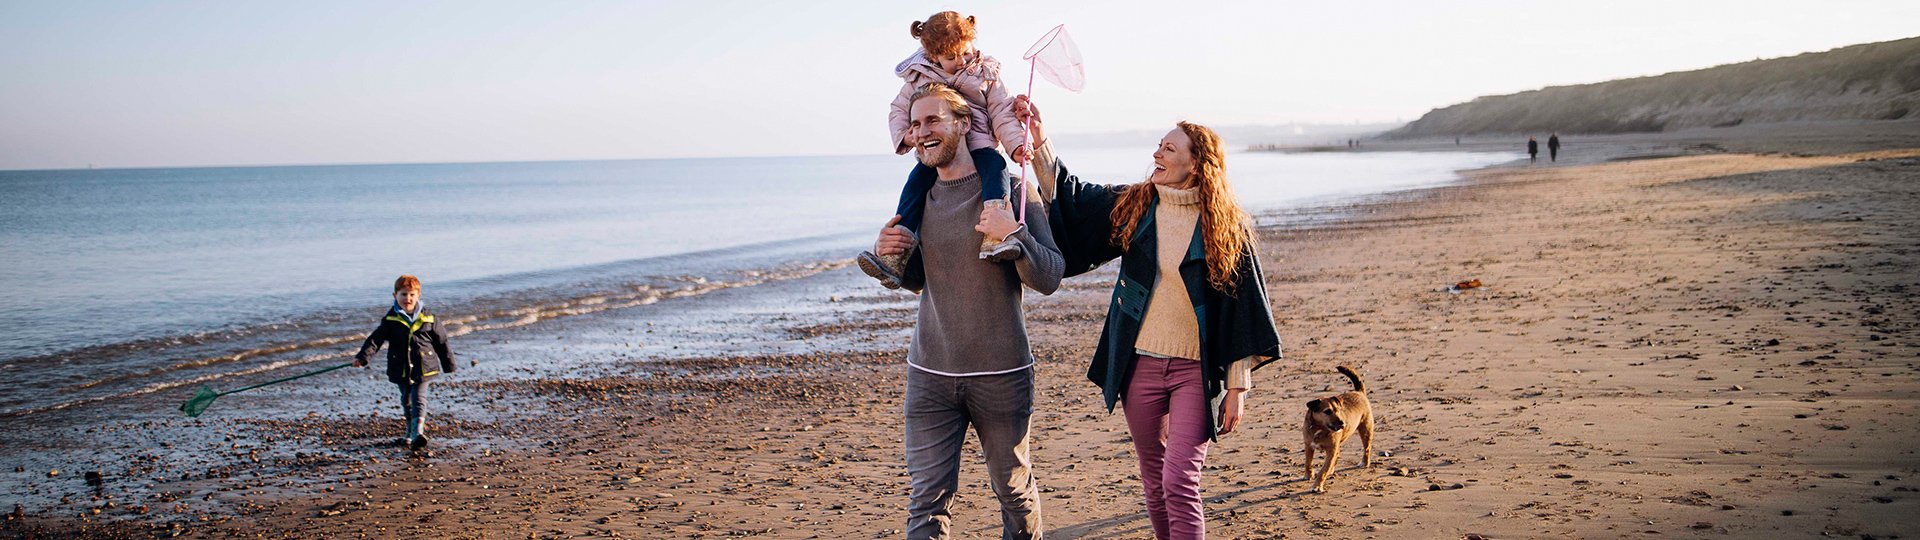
x: 947, y: 56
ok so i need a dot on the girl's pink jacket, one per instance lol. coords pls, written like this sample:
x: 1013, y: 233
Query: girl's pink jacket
x: 979, y: 82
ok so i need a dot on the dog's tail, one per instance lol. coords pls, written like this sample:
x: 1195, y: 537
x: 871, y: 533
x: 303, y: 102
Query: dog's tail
x: 1355, y: 377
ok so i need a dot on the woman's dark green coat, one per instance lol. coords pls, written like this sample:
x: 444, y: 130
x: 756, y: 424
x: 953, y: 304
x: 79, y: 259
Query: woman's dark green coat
x: 1232, y: 326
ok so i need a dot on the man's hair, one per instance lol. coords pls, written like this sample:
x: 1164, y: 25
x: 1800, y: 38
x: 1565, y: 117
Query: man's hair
x: 406, y: 282
x: 945, y: 33
x: 956, y: 105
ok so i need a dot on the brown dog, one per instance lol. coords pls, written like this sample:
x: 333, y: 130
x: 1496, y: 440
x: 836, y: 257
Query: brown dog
x: 1331, y: 421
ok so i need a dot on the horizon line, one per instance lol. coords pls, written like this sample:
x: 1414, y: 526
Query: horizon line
x: 91, y: 167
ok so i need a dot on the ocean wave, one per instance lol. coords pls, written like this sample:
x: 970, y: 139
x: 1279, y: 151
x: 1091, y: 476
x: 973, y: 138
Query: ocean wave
x: 526, y: 310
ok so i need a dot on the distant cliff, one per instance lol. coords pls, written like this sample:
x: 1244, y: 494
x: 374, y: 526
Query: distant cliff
x: 1875, y: 81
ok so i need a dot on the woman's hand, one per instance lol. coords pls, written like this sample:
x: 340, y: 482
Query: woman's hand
x: 997, y: 222
x: 1231, y: 411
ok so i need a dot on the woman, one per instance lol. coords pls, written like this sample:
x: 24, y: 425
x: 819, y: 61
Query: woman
x: 1189, y: 320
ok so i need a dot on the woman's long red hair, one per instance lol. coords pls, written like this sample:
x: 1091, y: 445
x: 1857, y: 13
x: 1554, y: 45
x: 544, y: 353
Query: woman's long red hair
x: 1226, y: 232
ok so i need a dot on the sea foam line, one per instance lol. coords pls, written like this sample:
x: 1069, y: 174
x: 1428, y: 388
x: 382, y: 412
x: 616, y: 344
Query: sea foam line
x: 514, y: 318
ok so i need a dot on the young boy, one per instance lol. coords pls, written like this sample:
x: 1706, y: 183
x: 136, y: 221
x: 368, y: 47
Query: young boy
x: 409, y: 334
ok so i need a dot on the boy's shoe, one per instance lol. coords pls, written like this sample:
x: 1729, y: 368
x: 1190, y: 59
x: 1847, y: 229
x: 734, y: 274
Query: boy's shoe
x: 1006, y: 249
x: 417, y: 432
x: 412, y: 438
x: 891, y: 270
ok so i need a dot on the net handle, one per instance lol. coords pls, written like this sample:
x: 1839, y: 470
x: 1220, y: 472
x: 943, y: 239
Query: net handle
x: 277, y: 381
x: 1032, y: 148
x: 1033, y: 68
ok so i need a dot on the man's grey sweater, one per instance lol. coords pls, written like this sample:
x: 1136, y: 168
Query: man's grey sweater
x: 970, y: 317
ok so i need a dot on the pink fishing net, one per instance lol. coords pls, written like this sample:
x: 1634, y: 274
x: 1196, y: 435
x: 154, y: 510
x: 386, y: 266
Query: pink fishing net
x: 1058, y: 59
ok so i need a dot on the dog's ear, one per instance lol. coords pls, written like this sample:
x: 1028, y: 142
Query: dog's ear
x: 1316, y: 405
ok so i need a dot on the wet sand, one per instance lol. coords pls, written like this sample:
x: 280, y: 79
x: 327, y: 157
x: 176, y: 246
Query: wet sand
x: 1716, y: 345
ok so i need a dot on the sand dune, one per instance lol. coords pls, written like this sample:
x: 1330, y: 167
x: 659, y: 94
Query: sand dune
x: 1874, y: 81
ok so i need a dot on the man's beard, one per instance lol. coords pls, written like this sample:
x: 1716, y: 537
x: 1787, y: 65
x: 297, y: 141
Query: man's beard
x: 941, y: 155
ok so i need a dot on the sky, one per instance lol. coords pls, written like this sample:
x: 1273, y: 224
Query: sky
x: 125, y: 83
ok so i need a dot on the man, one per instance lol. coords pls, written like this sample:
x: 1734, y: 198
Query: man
x: 969, y: 362
x: 1533, y: 149
x: 1553, y: 147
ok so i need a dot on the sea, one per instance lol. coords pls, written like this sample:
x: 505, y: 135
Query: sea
x: 131, y: 281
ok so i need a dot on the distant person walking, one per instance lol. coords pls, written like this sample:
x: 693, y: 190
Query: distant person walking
x: 1553, y: 147
x: 1533, y: 149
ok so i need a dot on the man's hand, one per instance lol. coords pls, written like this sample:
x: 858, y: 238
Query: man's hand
x: 894, y: 238
x: 1231, y: 410
x: 997, y: 222
x: 359, y: 362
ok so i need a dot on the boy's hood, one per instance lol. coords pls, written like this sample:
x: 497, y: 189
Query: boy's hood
x: 419, y: 306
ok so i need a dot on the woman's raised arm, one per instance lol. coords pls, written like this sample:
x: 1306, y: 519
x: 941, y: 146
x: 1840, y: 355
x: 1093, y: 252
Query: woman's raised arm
x: 1079, y: 213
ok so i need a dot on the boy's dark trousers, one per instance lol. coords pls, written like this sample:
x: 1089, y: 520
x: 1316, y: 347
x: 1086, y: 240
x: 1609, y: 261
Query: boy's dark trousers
x: 913, y: 198
x: 413, y: 399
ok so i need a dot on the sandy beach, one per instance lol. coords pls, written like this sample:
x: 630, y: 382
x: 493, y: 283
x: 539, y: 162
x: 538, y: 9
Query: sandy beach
x: 1699, y: 343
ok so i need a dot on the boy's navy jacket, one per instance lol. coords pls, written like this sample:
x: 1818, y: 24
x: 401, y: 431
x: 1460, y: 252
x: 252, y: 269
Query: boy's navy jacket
x: 1232, y: 327
x: 407, y: 344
